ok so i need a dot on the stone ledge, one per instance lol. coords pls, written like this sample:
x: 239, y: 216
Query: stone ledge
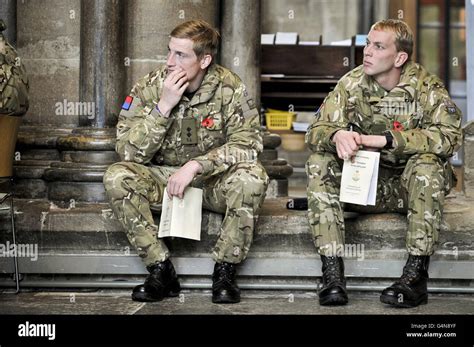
x: 117, y: 264
x: 458, y: 216
x: 92, y: 227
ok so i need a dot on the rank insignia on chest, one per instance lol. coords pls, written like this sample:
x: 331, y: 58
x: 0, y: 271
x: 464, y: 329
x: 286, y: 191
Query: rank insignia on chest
x: 189, y: 132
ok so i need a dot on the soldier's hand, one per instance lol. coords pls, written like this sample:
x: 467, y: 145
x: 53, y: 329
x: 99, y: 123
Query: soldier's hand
x: 373, y: 141
x: 178, y: 181
x: 174, y: 86
x: 347, y: 143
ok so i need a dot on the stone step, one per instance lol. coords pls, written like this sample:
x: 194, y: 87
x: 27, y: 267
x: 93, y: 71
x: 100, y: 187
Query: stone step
x: 291, y: 267
x: 80, y: 227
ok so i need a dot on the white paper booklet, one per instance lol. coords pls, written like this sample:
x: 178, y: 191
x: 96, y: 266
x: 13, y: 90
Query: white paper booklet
x: 182, y: 217
x: 359, y: 179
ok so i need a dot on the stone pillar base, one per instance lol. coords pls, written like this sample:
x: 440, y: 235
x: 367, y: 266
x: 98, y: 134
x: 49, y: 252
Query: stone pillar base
x: 65, y: 165
x: 277, y: 169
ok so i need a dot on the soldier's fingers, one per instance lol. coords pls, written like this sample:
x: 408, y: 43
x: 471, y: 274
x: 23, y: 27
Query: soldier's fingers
x: 171, y: 79
x: 345, y: 152
x: 178, y: 76
x: 350, y: 152
x: 168, y: 191
x: 355, y: 142
x: 357, y: 138
x: 183, y: 88
x: 177, y: 187
x: 180, y: 191
x: 171, y: 186
x: 339, y: 151
x: 345, y: 148
x: 353, y: 145
x: 179, y: 83
x: 171, y: 75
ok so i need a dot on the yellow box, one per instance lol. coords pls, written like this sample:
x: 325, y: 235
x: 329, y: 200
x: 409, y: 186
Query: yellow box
x: 279, y: 120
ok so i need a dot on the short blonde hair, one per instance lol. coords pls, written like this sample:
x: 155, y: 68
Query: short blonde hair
x: 205, y: 38
x: 403, y: 34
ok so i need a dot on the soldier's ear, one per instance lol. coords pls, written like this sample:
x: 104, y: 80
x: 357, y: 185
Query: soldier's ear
x: 206, y: 61
x: 402, y: 57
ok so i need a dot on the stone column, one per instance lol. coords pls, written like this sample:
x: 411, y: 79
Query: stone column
x: 8, y: 14
x: 86, y: 152
x: 48, y: 42
x: 240, y: 44
x: 102, y: 65
x: 240, y: 52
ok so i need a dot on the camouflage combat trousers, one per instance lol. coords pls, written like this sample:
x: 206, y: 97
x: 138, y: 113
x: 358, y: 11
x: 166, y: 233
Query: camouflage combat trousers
x: 417, y: 190
x: 239, y: 193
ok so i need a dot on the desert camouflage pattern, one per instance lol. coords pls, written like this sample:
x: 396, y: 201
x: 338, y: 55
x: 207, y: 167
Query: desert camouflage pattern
x: 151, y: 148
x: 13, y: 80
x: 414, y: 177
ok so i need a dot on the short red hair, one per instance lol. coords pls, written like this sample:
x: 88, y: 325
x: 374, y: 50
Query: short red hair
x: 205, y: 38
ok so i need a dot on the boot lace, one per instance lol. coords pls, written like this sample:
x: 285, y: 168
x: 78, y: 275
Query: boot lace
x: 411, y: 270
x: 332, y: 272
x: 225, y: 272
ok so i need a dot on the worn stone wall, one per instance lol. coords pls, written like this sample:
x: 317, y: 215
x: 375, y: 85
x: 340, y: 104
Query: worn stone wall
x: 148, y: 24
x: 48, y: 41
x: 334, y: 19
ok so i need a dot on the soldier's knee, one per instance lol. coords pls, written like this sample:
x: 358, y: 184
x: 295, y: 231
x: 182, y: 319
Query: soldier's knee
x: 422, y: 171
x: 425, y: 164
x: 252, y: 180
x: 429, y: 159
x: 115, y: 174
x: 319, y: 163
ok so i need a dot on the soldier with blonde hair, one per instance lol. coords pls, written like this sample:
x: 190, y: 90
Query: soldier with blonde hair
x: 398, y: 108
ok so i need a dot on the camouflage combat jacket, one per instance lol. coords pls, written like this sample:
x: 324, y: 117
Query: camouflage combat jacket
x: 418, y: 112
x: 218, y: 127
x: 13, y: 80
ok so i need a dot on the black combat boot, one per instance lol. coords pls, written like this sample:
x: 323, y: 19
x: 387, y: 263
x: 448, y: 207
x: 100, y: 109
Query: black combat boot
x: 333, y: 291
x: 411, y: 289
x: 162, y: 281
x: 224, y: 288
